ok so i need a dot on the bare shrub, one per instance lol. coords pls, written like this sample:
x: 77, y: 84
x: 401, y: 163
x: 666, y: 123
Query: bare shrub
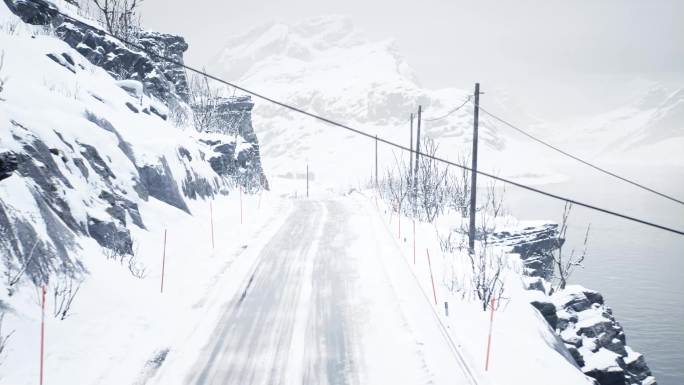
x: 3, y: 338
x: 3, y: 79
x: 113, y: 254
x: 120, y: 17
x: 432, y: 186
x: 487, y: 266
x: 566, y: 264
x: 137, y: 269
x: 491, y: 210
x: 395, y: 185
x: 458, y: 187
x: 179, y: 114
x: 13, y: 277
x: 64, y: 294
x: 204, y: 101
x: 10, y: 27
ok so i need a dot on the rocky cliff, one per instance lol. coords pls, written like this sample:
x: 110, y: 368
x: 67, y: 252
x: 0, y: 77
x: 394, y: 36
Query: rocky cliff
x: 579, y: 316
x: 89, y: 141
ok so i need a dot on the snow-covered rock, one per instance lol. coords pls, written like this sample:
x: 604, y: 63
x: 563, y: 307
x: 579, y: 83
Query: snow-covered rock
x: 165, y: 81
x: 596, y: 340
x: 533, y: 242
x: 585, y: 325
x: 100, y: 145
x: 8, y: 164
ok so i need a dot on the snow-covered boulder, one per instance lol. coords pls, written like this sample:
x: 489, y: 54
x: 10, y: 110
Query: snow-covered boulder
x: 8, y: 163
x: 533, y: 242
x: 596, y: 340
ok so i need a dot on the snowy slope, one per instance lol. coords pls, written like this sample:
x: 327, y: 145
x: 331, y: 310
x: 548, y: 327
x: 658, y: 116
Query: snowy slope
x: 325, y: 65
x: 102, y: 176
x: 648, y: 130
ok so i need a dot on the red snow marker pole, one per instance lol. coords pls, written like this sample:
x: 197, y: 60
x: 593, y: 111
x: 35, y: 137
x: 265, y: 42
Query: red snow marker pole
x: 414, y: 241
x: 42, y: 334
x: 161, y: 290
x: 211, y: 221
x: 489, y: 339
x: 434, y: 292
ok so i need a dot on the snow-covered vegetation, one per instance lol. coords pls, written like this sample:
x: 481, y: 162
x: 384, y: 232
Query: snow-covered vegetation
x: 515, y: 268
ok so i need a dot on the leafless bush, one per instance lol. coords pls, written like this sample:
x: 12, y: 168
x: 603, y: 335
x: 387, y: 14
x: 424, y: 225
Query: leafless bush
x: 491, y: 210
x: 566, y: 264
x: 12, y: 276
x: 64, y: 294
x: 179, y: 114
x: 3, y: 338
x: 432, y: 186
x: 113, y: 254
x: 137, y: 269
x: 10, y: 27
x: 448, y: 243
x: 395, y: 185
x: 458, y: 187
x: 204, y: 102
x: 3, y: 79
x: 487, y: 266
x: 120, y: 17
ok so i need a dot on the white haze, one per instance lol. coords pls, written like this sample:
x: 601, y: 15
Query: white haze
x: 559, y: 59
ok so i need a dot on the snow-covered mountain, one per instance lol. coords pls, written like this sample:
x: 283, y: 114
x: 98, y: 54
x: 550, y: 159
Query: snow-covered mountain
x: 327, y: 66
x: 650, y: 129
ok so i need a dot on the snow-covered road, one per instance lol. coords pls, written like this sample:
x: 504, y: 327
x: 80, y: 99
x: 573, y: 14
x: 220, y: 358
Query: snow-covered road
x: 329, y: 301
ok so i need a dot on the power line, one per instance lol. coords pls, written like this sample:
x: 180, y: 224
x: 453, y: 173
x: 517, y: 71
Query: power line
x: 639, y: 185
x: 450, y: 112
x: 373, y: 137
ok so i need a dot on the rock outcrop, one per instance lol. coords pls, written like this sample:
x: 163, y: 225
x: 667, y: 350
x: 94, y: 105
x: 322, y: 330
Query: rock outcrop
x: 585, y: 325
x: 8, y: 164
x: 533, y: 243
x: 236, y: 158
x: 164, y: 80
x: 596, y: 340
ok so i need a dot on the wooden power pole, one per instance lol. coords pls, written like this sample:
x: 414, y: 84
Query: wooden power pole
x: 411, y: 153
x: 376, y: 162
x: 473, y: 174
x: 415, y: 169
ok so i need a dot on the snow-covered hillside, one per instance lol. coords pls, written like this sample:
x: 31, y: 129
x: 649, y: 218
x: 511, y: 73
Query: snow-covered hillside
x: 325, y: 65
x: 649, y: 130
x: 94, y: 172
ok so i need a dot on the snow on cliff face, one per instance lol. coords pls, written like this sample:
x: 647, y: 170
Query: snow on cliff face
x: 326, y: 66
x: 92, y: 173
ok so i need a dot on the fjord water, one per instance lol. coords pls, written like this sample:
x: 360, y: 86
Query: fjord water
x: 638, y: 269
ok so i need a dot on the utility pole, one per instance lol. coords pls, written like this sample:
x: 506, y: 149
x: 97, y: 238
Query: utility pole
x: 415, y: 170
x: 473, y: 173
x: 376, y: 162
x: 411, y: 153
x: 307, y: 180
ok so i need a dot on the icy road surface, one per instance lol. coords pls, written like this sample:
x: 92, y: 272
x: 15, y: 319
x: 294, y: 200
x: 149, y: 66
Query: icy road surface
x: 329, y: 301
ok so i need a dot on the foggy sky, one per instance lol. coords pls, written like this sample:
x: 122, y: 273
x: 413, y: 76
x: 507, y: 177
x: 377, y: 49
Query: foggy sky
x: 558, y: 58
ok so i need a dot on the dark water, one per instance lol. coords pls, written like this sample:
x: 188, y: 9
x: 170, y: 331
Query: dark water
x: 639, y: 270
